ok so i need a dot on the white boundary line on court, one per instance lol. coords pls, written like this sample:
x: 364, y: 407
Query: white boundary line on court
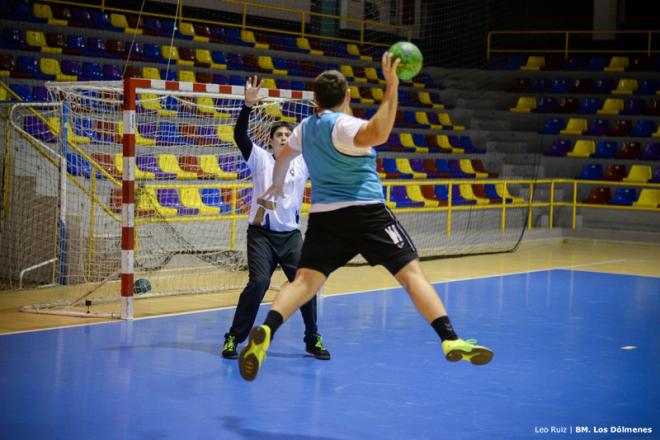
x: 192, y: 312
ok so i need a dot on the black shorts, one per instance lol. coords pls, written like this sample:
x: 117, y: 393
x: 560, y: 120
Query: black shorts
x: 333, y: 238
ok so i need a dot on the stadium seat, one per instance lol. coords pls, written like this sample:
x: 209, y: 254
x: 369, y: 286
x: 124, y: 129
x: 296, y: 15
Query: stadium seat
x: 139, y: 173
x: 39, y: 94
x: 76, y: 165
x: 120, y: 21
x: 567, y: 105
x: 112, y: 72
x: 582, y: 85
x: 606, y: 150
x: 546, y: 105
x: 553, y: 126
x: 169, y: 198
x: 597, y: 63
x: 589, y: 106
x: 525, y: 104
x: 647, y: 87
x: 629, y: 150
x: 624, y: 197
x: 45, y: 13
x: 209, y: 165
x: 653, y: 107
x: 91, y: 72
x: 149, y: 164
x: 169, y: 163
x: 648, y: 198
x: 73, y: 137
x: 575, y: 126
x: 625, y: 86
x: 213, y: 197
x: 591, y: 171
x: 611, y: 106
x: 620, y: 127
x: 615, y: 173
x: 266, y: 64
x: 502, y: 191
x: 415, y: 194
x: 560, y: 85
x: 638, y: 173
x: 466, y: 167
x: 582, y: 148
x: 651, y: 151
x: 644, y: 128
x: 617, y: 64
x: 189, y: 30
x: 7, y: 65
x: 598, y: 196
x: 37, y: 41
x: 633, y: 107
x: 104, y: 160
x: 598, y: 127
x: 656, y: 175
x: 191, y: 198
x: 403, y: 165
x: 603, y: 86
x: 559, y: 148
x: 534, y: 63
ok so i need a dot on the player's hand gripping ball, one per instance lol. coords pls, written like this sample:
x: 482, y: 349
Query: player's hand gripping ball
x: 411, y: 59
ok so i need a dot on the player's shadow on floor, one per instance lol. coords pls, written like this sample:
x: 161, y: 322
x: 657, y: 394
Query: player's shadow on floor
x: 234, y: 424
x: 214, y: 349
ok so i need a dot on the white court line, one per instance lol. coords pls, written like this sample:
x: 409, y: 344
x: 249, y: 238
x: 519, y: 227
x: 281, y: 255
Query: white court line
x: 192, y: 312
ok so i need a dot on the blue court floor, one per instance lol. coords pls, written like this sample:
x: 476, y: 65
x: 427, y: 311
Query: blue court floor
x: 572, y: 349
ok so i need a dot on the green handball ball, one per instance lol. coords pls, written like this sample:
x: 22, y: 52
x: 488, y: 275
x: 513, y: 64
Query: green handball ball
x: 411, y: 59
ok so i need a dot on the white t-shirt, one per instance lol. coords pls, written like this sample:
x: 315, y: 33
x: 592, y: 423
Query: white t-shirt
x: 343, y: 138
x: 286, y: 216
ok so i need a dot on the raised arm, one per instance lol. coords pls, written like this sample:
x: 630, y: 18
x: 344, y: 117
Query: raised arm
x: 378, y: 129
x: 241, y: 128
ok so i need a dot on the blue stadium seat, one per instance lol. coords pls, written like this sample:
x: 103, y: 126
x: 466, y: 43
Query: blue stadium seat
x: 624, y: 197
x: 591, y: 171
x: 553, y: 125
x: 77, y: 165
x: 23, y: 91
x: 643, y: 128
x: 606, y: 150
x: 559, y: 148
x: 213, y: 197
x: 589, y: 106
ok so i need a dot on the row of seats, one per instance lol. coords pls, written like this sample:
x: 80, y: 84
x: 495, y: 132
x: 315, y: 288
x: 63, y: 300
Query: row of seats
x: 401, y: 168
x: 147, y: 25
x: 601, y: 127
x: 162, y: 166
x: 647, y: 198
x: 432, y: 143
x: 618, y: 173
x: 609, y: 106
x: 601, y: 86
x: 604, y: 149
x: 597, y: 63
x: 424, y: 196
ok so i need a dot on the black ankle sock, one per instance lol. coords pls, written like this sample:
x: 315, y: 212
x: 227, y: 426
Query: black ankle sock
x: 273, y: 320
x: 444, y: 329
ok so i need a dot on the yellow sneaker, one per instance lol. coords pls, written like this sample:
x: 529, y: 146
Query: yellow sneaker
x: 254, y: 352
x: 467, y: 351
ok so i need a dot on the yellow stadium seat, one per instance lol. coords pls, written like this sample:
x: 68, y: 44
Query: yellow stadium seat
x: 525, y: 104
x: 648, y: 198
x: 443, y: 142
x: 423, y: 119
x: 534, y: 63
x: 355, y: 94
x: 266, y: 63
x: 466, y: 167
x: 377, y: 94
x: 203, y: 56
x: 150, y: 73
x: 415, y: 194
x: 274, y: 110
x: 468, y: 193
x: 76, y: 139
x: 226, y: 133
x: 187, y: 76
x: 504, y: 193
x: 51, y: 66
x: 189, y: 30
x: 151, y: 102
x: 372, y: 75
x: 148, y: 201
x: 35, y: 39
x: 611, y: 106
x: 208, y: 163
x: 446, y: 121
x: 248, y: 37
x: 169, y: 163
x: 657, y: 133
x: 206, y: 106
x: 303, y: 43
x: 425, y: 98
x: 582, y: 148
x: 171, y: 52
x: 139, y: 174
x: 404, y: 166
x: 139, y: 139
x: 268, y: 83
x: 618, y: 64
x: 575, y: 126
x: 348, y: 72
x: 408, y: 142
x: 119, y: 20
x: 352, y: 49
x: 42, y: 11
x: 190, y: 198
x: 638, y: 173
x: 4, y: 96
x: 625, y: 87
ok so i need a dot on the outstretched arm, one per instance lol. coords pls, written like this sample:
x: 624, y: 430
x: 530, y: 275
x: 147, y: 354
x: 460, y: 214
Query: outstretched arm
x: 241, y: 128
x: 379, y: 127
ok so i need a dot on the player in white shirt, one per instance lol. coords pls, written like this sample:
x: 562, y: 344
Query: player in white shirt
x: 349, y: 216
x: 273, y: 236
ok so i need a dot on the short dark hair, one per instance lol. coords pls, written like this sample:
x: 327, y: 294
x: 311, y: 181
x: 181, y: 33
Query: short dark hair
x: 276, y: 125
x: 330, y: 89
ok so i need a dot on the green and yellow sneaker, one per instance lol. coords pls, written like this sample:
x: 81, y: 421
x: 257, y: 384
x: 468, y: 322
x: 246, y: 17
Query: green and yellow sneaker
x: 314, y: 346
x: 229, y: 349
x: 254, y: 352
x: 467, y: 351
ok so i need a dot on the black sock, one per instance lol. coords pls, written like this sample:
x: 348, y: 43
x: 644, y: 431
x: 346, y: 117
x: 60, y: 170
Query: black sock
x: 273, y: 320
x: 444, y: 329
